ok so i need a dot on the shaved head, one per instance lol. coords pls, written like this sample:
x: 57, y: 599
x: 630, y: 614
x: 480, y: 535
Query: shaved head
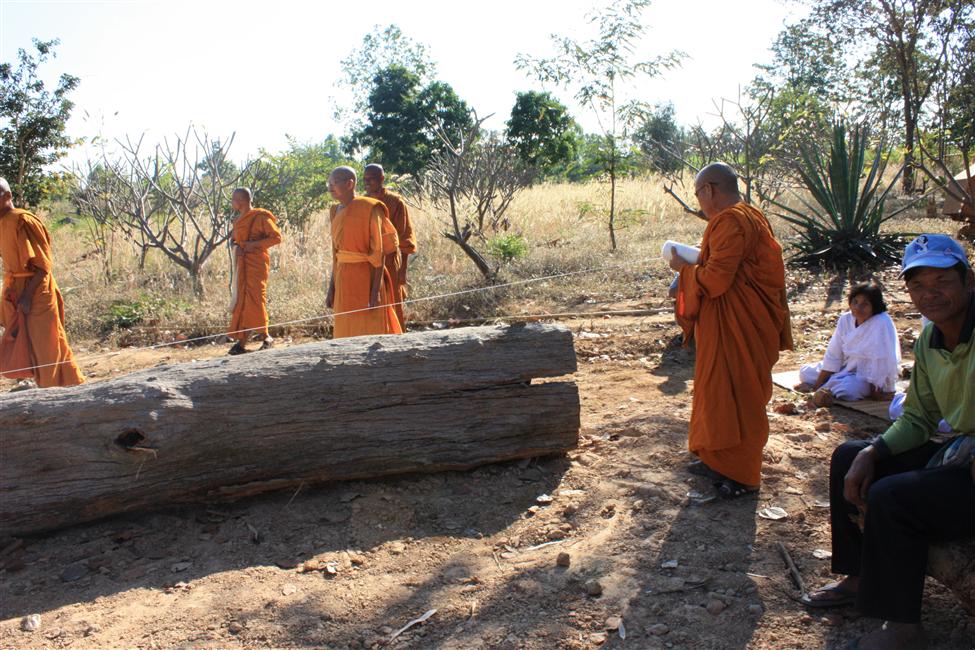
x: 5, y: 186
x: 244, y: 192
x: 343, y: 174
x: 374, y: 168
x: 720, y: 175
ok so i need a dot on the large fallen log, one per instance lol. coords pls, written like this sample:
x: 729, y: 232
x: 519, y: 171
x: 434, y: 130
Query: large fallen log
x: 953, y: 565
x: 234, y: 426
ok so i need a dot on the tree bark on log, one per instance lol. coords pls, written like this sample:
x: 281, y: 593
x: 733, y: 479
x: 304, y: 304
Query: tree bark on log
x: 234, y: 426
x: 953, y: 565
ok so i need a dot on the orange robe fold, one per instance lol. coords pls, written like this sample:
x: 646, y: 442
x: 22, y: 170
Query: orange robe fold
x: 733, y: 304
x: 400, y: 218
x: 252, y: 271
x: 25, y: 247
x: 358, y: 233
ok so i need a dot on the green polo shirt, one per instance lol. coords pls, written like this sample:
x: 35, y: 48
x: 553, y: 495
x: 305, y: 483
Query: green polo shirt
x: 942, y: 386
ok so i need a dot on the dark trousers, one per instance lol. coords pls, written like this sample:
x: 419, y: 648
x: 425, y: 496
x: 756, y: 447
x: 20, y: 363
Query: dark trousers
x: 908, y: 507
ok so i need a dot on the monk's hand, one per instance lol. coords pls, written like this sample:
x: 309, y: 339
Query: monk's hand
x: 402, y: 276
x: 249, y: 246
x: 858, y: 480
x: 676, y: 261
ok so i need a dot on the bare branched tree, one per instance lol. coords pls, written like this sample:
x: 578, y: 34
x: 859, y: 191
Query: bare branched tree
x: 473, y: 182
x: 175, y: 200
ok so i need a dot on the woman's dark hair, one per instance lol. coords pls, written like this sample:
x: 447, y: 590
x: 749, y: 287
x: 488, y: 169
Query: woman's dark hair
x: 874, y: 294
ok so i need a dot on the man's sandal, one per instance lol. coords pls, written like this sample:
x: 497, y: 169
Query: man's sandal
x: 731, y: 489
x: 839, y: 596
x: 238, y: 348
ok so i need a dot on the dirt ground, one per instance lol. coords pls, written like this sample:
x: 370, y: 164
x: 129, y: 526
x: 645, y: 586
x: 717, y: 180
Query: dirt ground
x: 348, y: 565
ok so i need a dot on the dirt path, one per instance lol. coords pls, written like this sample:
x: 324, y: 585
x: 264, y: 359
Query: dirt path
x: 345, y: 566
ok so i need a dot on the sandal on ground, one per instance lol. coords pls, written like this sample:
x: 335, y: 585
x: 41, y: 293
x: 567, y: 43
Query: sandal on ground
x: 731, y: 489
x: 699, y: 468
x: 237, y: 349
x: 839, y: 596
x: 267, y: 344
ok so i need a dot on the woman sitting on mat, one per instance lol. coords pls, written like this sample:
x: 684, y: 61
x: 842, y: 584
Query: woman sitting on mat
x: 863, y: 357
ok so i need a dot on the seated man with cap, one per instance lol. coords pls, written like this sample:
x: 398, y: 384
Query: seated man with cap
x: 912, y: 485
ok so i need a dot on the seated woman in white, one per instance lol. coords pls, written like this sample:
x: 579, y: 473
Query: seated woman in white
x: 863, y: 357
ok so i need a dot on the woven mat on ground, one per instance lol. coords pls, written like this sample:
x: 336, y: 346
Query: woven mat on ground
x: 790, y: 378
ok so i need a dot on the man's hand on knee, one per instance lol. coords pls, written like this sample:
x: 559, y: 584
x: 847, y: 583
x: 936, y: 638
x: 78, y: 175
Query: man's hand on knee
x: 858, y: 479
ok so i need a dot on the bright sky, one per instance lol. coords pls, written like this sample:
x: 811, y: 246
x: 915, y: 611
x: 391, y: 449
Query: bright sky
x: 266, y: 69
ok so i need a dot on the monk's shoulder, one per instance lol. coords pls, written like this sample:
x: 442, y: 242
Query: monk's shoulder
x: 393, y: 199
x: 265, y: 214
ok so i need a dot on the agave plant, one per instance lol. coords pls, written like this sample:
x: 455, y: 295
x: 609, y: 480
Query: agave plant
x: 840, y: 226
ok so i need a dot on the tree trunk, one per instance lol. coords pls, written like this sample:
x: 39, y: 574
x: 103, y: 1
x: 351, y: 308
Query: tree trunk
x: 612, y: 198
x: 910, y: 133
x: 229, y: 427
x: 473, y: 254
x: 953, y: 565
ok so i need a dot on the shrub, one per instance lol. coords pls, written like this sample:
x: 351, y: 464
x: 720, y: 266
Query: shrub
x: 508, y: 247
x: 841, y: 226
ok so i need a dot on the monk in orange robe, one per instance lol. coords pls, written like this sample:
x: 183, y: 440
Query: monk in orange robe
x: 360, y: 290
x: 255, y: 231
x: 733, y: 304
x: 374, y: 177
x: 29, y: 288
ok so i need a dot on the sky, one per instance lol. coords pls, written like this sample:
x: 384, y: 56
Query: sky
x: 264, y: 70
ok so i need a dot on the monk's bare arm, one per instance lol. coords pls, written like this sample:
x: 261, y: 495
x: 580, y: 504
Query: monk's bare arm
x: 374, y: 286
x: 27, y: 297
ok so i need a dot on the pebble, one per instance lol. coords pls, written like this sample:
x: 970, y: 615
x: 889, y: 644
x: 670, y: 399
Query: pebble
x: 613, y: 623
x: 594, y: 588
x: 658, y: 629
x: 235, y: 628
x: 755, y: 609
x: 823, y: 427
x: 564, y: 559
x: 598, y: 638
x: 397, y: 548
x: 716, y: 606
x: 30, y: 623
x: 289, y: 589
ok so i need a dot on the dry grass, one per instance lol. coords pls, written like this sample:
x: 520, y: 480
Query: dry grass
x: 564, y: 224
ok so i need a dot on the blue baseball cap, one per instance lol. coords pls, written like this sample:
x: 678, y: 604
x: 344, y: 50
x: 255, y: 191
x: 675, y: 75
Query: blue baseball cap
x: 938, y: 251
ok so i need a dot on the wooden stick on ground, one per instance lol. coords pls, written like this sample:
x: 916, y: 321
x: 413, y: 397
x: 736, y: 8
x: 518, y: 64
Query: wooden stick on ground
x: 796, y: 576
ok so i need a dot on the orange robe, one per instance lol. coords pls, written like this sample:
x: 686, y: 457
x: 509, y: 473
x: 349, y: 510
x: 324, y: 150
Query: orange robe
x: 733, y: 303
x: 250, y: 309
x: 25, y: 247
x: 400, y: 218
x: 357, y: 250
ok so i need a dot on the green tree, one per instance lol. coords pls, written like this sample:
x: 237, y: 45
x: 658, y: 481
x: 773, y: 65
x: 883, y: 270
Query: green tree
x: 381, y: 48
x: 297, y: 179
x: 543, y: 133
x: 32, y: 123
x: 661, y: 140
x: 598, y: 71
x: 402, y: 118
x: 910, y: 41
